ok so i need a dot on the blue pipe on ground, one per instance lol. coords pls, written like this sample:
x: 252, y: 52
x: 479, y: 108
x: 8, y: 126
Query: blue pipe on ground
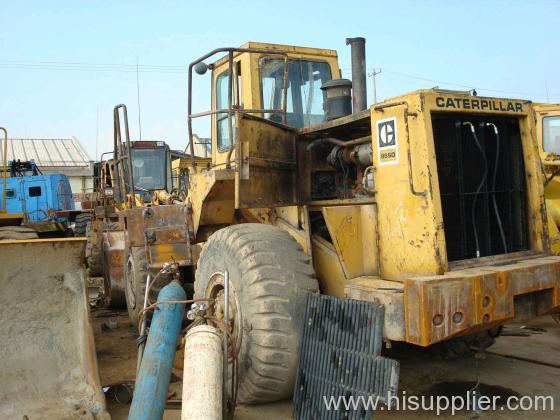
x: 150, y: 391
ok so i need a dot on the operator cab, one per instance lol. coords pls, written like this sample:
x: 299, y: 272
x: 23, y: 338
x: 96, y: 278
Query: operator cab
x: 285, y: 88
x: 150, y: 166
x: 150, y: 169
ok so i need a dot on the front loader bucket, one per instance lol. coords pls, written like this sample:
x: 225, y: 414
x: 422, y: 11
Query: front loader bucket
x: 48, y: 363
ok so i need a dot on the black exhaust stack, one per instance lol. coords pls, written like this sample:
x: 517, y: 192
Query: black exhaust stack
x: 359, y: 89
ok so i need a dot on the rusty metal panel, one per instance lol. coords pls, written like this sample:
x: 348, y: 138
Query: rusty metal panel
x: 266, y: 174
x: 460, y: 302
x: 388, y: 293
x: 162, y: 230
x: 160, y: 254
x: 134, y: 226
x: 212, y: 194
x: 166, y: 235
x: 430, y: 304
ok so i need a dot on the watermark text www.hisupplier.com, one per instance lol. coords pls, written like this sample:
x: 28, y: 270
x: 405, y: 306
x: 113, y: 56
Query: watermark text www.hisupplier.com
x: 471, y: 401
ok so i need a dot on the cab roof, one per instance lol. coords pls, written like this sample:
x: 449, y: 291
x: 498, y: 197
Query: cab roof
x: 318, y: 52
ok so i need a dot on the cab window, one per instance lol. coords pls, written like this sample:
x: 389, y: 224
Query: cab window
x: 304, y: 99
x: 34, y: 191
x: 222, y: 82
x: 551, y: 134
x: 149, y: 168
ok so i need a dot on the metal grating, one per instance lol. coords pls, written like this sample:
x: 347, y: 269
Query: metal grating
x: 340, y: 357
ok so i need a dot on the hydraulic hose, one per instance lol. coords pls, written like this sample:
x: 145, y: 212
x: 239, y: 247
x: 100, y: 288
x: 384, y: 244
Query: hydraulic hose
x: 482, y: 182
x: 500, y: 227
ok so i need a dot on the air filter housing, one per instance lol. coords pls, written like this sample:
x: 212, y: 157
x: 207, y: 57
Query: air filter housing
x: 337, y: 98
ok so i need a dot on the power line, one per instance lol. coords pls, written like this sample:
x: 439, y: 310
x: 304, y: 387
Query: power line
x: 96, y: 129
x: 177, y: 69
x: 462, y: 85
x: 472, y: 86
x: 117, y: 70
x: 398, y: 78
x: 126, y: 68
x: 73, y: 63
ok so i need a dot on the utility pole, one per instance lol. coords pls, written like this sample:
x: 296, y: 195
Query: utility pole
x: 96, y: 129
x: 372, y: 75
x: 138, y: 98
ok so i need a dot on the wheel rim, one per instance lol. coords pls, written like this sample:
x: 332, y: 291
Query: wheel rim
x: 215, y: 291
x: 130, y: 275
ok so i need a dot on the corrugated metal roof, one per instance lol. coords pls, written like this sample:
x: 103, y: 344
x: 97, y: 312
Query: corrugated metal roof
x: 47, y: 152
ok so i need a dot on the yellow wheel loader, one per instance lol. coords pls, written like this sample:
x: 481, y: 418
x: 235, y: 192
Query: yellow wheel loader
x: 429, y: 203
x: 139, y: 174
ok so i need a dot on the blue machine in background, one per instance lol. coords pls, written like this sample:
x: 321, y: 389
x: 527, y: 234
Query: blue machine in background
x: 45, y: 200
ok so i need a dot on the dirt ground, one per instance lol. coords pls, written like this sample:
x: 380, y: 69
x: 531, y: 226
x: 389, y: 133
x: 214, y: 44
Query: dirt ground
x: 516, y: 365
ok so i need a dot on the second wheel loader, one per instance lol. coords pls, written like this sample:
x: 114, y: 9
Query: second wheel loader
x: 139, y: 174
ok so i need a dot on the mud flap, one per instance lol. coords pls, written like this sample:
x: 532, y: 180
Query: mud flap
x: 340, y: 356
x: 49, y: 365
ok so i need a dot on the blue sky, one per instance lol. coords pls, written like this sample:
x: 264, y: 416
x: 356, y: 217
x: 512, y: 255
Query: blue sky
x: 508, y: 46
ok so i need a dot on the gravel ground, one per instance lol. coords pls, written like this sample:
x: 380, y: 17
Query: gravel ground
x: 517, y: 365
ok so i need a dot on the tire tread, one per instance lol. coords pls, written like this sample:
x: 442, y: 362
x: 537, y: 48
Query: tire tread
x: 275, y: 274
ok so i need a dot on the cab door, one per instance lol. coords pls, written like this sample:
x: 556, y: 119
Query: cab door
x: 223, y: 142
x: 36, y: 203
x: 267, y: 170
x: 548, y: 131
x: 548, y: 138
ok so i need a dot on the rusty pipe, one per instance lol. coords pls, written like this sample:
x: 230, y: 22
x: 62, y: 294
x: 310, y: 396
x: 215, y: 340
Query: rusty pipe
x: 359, y: 88
x: 117, y: 154
x: 128, y: 157
x: 338, y: 142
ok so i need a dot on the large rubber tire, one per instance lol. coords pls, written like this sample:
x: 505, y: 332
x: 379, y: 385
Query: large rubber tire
x: 80, y: 224
x: 135, y: 274
x: 464, y: 346
x: 115, y: 293
x: 17, y: 233
x: 94, y: 260
x: 269, y: 277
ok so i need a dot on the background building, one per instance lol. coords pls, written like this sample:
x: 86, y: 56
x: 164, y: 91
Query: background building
x: 61, y: 156
x: 202, y: 146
